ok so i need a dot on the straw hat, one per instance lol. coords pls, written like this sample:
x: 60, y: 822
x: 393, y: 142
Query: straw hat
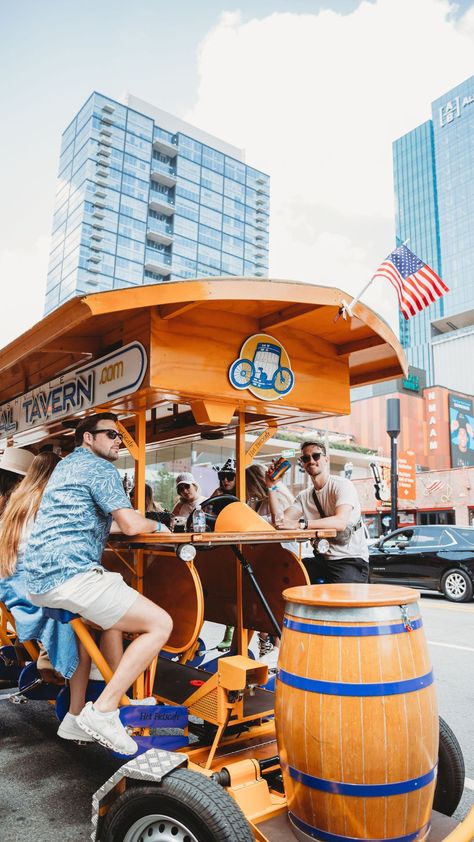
x: 16, y: 460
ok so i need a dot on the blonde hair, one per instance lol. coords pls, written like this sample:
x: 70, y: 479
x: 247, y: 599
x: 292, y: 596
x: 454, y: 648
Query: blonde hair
x: 23, y: 504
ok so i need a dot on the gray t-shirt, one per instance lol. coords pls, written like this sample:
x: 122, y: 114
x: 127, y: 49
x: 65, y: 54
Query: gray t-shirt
x: 338, y: 491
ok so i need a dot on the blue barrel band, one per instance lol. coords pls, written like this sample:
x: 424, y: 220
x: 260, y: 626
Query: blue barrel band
x: 361, y: 790
x: 325, y: 836
x: 350, y: 631
x: 339, y: 688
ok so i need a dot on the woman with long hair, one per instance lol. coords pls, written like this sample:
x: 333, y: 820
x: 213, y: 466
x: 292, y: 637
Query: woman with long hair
x: 17, y: 522
x: 272, y: 510
x: 258, y: 497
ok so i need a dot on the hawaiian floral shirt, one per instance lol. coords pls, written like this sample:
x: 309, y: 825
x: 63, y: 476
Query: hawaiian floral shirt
x: 73, y: 521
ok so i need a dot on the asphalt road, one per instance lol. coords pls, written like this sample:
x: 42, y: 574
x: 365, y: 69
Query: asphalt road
x: 46, y: 784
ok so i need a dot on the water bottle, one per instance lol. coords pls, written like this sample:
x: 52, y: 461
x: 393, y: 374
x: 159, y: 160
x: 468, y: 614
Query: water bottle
x: 199, y: 520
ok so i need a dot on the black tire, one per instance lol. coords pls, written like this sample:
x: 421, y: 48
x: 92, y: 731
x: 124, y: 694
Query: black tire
x: 457, y: 585
x: 206, y: 810
x: 450, y: 781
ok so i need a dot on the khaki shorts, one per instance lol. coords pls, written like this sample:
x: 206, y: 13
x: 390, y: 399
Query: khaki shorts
x: 97, y: 595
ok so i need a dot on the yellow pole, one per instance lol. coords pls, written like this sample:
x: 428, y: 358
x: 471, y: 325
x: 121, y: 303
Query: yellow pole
x: 140, y: 464
x: 242, y: 634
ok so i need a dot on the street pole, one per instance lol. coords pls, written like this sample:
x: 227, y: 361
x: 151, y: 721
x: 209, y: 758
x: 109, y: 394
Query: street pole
x: 393, y: 430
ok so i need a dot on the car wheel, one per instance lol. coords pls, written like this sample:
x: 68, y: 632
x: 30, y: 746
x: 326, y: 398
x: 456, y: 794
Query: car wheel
x: 450, y: 779
x: 185, y: 807
x: 457, y: 586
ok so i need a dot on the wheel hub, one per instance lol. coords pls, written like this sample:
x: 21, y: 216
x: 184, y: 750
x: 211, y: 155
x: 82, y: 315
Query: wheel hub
x: 158, y: 828
x: 455, y: 585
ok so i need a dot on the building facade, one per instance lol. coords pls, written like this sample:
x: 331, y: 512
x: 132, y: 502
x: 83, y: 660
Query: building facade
x: 434, y: 190
x: 144, y: 198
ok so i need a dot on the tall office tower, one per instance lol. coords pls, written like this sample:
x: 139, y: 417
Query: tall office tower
x: 145, y: 198
x: 434, y: 190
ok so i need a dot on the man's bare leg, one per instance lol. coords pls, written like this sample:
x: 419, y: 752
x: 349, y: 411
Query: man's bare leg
x: 78, y: 682
x: 154, y: 626
x: 111, y: 646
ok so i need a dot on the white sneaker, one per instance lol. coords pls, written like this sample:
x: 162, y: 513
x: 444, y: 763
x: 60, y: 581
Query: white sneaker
x: 69, y: 730
x: 148, y: 702
x: 107, y: 729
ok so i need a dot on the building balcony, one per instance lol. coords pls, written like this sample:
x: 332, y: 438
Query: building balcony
x: 161, y: 202
x: 94, y: 258
x: 163, y: 173
x: 159, y: 231
x: 164, y: 142
x: 158, y: 262
x: 95, y: 235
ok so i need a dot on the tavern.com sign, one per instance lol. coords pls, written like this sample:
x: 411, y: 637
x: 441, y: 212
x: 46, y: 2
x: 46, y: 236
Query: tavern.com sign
x: 116, y: 374
x: 453, y: 108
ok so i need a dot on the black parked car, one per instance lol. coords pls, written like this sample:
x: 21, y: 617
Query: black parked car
x: 438, y: 558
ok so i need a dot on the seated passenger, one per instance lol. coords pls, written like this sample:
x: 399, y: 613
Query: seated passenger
x: 18, y: 519
x: 226, y: 476
x: 63, y: 570
x: 189, y: 495
x: 14, y: 463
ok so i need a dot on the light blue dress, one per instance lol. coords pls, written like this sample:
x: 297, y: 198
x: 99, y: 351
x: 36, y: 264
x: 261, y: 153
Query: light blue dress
x: 58, y: 639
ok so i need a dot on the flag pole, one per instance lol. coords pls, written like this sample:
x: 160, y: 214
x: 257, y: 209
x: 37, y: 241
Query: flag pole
x: 346, y: 309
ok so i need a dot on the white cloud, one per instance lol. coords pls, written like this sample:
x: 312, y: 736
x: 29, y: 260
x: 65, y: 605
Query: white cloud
x: 316, y: 100
x: 23, y: 276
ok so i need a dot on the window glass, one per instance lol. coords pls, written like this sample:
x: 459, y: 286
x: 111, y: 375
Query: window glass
x: 234, y: 170
x: 210, y: 236
x: 187, y: 190
x: 211, y: 199
x: 212, y: 180
x: 135, y: 187
x: 209, y: 257
x: 188, y: 169
x: 210, y: 217
x: 185, y: 227
x: 404, y: 537
x: 187, y: 208
x: 185, y: 247
x: 212, y: 159
x: 131, y: 249
x: 138, y: 146
x: 129, y: 271
x: 234, y: 190
x: 140, y: 125
x: 190, y: 148
x: 133, y: 207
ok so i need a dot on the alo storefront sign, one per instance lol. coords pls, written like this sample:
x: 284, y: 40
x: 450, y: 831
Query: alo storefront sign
x: 118, y: 373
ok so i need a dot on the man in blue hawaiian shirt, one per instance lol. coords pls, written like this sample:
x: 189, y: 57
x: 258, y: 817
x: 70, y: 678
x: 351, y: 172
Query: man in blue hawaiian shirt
x: 63, y: 570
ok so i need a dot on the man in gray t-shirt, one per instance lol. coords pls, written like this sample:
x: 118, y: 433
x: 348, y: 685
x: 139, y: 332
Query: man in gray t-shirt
x: 330, y: 502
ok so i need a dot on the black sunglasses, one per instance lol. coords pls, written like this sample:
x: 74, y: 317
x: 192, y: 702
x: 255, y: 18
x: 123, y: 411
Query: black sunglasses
x: 111, y: 434
x: 226, y: 475
x: 308, y: 456
x: 183, y: 486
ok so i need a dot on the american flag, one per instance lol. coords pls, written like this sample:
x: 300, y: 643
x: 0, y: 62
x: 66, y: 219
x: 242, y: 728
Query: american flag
x: 416, y: 284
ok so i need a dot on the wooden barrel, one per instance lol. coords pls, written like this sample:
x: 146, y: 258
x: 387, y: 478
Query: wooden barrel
x: 356, y: 714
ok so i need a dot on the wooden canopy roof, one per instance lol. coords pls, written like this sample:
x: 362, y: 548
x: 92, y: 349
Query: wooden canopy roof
x: 87, y: 326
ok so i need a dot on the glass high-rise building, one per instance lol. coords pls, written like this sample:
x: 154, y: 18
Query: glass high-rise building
x: 144, y: 198
x: 434, y: 191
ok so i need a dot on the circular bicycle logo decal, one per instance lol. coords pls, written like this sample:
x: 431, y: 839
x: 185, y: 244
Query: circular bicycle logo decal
x: 263, y: 368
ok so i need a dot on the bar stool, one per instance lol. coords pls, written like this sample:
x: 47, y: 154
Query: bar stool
x: 82, y: 632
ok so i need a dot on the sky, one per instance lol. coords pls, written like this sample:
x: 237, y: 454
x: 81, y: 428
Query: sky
x: 315, y: 92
